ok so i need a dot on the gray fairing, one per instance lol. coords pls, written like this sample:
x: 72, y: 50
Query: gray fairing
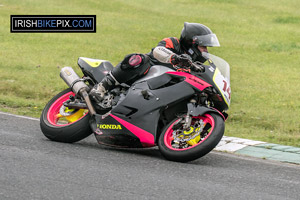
x: 144, y: 112
x: 155, y: 71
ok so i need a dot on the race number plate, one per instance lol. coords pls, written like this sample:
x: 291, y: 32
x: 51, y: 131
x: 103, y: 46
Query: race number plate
x: 223, y: 85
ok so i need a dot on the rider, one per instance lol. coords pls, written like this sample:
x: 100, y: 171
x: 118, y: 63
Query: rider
x: 170, y: 52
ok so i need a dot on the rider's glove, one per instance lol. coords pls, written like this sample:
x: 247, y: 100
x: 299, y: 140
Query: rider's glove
x: 183, y: 60
x: 198, y: 67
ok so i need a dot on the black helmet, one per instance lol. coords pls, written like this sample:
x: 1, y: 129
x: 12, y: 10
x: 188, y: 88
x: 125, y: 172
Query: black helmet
x: 194, y: 35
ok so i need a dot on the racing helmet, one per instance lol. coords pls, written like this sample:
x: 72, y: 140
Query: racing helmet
x: 193, y: 36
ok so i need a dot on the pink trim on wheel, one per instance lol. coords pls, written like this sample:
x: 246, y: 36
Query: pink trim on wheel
x: 168, y: 137
x: 146, y: 138
x: 220, y: 113
x: 53, y: 111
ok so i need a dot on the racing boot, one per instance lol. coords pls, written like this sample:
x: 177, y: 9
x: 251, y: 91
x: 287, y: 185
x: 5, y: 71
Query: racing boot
x: 124, y: 72
x: 99, y: 90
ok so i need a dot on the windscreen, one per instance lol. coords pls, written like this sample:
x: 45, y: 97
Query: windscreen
x: 221, y: 75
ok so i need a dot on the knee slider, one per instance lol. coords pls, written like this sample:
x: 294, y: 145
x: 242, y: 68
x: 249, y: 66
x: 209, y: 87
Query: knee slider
x: 135, y: 60
x: 132, y: 61
x: 131, y: 68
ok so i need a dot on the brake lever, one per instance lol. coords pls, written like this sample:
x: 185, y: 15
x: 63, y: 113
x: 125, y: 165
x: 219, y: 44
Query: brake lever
x: 194, y: 66
x: 197, y: 66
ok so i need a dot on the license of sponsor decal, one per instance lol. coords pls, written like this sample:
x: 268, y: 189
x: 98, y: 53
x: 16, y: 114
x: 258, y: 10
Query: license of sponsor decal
x: 52, y: 23
x: 108, y: 126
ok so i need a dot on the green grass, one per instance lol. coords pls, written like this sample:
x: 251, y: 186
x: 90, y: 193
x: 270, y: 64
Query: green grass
x: 260, y: 40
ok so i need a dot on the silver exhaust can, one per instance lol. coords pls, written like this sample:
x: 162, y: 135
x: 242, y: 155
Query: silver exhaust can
x: 72, y: 79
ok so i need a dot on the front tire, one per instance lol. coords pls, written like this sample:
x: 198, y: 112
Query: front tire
x: 75, y: 128
x: 211, y: 134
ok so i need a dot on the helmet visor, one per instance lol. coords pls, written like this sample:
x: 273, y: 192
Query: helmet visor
x: 209, y: 40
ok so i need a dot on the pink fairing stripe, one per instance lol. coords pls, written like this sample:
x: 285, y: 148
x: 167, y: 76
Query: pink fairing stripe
x: 219, y: 113
x: 193, y: 80
x: 146, y: 138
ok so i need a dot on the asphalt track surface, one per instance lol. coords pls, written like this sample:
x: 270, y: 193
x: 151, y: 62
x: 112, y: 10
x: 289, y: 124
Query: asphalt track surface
x: 32, y: 167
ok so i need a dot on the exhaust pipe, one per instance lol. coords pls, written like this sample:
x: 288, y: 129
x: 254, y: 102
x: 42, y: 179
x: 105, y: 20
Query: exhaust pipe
x: 72, y: 79
x: 77, y: 85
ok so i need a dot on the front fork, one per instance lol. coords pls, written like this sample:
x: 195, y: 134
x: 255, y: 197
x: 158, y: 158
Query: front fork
x: 184, y: 122
x: 188, y: 118
x: 187, y: 122
x: 195, y: 110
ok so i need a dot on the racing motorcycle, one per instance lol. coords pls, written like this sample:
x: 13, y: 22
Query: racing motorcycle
x: 183, y: 112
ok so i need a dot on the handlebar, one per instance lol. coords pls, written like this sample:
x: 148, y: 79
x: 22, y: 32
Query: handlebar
x: 197, y: 66
x: 194, y: 66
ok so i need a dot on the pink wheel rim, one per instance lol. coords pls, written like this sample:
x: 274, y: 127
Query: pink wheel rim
x: 168, y: 137
x: 54, y: 110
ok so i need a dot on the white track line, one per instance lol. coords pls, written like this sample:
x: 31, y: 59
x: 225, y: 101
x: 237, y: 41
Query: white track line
x: 19, y: 116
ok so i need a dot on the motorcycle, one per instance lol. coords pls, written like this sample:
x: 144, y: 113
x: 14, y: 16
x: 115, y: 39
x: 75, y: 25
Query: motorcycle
x: 183, y: 112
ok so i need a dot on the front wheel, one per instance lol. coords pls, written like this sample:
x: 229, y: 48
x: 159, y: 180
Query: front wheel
x: 61, y: 124
x: 201, y: 137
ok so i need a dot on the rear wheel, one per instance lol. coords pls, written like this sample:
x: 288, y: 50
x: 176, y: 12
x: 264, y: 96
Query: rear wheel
x: 61, y: 124
x: 202, y: 136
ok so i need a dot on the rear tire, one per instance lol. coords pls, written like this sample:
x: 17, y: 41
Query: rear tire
x: 68, y: 133
x: 204, y: 146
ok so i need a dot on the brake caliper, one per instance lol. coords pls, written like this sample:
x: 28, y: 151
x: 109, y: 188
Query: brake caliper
x: 190, y: 136
x: 71, y: 115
